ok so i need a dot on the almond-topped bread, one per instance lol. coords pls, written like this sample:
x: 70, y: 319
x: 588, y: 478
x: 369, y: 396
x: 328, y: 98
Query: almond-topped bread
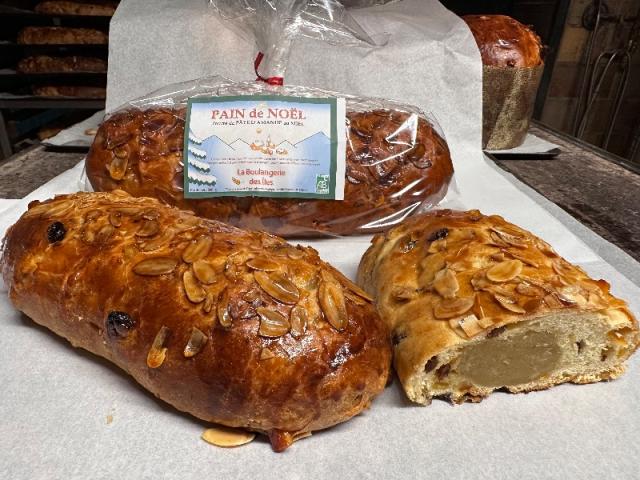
x: 396, y: 162
x: 505, y: 42
x: 475, y: 303
x: 234, y: 327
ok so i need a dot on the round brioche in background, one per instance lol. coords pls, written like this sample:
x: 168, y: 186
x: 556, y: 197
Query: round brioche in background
x: 512, y: 69
x: 505, y: 42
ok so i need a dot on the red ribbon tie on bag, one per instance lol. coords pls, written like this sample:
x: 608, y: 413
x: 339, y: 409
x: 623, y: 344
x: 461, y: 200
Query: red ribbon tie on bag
x: 268, y: 80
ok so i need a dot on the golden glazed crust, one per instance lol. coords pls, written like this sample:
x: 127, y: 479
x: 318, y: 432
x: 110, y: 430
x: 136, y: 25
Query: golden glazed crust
x: 505, y: 42
x: 233, y: 327
x: 389, y: 173
x: 447, y: 280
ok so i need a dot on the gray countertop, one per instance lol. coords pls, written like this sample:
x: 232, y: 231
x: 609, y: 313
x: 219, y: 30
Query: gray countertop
x: 591, y: 185
x: 25, y: 171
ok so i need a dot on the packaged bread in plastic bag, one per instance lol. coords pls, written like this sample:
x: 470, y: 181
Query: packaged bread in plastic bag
x: 291, y: 160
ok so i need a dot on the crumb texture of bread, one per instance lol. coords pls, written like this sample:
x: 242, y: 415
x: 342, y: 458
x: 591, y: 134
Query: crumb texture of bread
x: 234, y: 327
x: 505, y: 42
x: 475, y: 304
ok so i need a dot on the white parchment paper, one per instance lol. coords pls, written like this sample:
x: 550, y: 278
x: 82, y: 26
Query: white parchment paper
x: 57, y: 402
x: 532, y: 145
x: 76, y: 135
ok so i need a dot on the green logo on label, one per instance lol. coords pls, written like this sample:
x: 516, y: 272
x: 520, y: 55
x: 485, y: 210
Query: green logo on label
x: 322, y: 183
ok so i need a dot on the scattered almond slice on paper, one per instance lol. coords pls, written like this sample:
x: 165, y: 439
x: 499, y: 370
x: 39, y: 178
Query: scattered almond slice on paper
x: 226, y: 437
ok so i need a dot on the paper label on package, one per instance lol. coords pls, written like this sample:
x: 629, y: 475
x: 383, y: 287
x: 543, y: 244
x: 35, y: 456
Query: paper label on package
x: 265, y: 146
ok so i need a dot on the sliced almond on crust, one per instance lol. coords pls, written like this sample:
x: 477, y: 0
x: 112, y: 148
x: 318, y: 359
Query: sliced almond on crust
x: 355, y: 288
x: 197, y: 340
x: 569, y: 296
x: 204, y: 271
x: 504, y: 271
x: 222, y: 310
x: 262, y: 264
x: 498, y: 257
x: 446, y: 283
x: 115, y: 219
x: 56, y: 208
x: 157, y: 242
x: 118, y: 167
x: 148, y: 228
x: 523, y: 259
x: 357, y: 299
x: 538, y: 283
x: 508, y: 303
x: 227, y: 437
x: 450, y: 308
x: 485, y: 322
x: 195, y: 292
x: 295, y: 254
x: 525, y: 288
x: 509, y: 239
x: 479, y: 280
x: 552, y: 301
x: 158, y: 352
x: 278, y: 286
x: 105, y: 232
x: 266, y: 354
x: 495, y: 240
x: 470, y: 325
x: 331, y: 299
x: 155, y: 266
x: 207, y: 306
x: 558, y: 267
x: 272, y: 323
x: 299, y: 320
x: 197, y: 250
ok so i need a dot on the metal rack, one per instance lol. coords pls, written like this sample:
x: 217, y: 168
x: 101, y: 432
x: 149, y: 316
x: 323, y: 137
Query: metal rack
x: 603, y: 67
x: 15, y: 87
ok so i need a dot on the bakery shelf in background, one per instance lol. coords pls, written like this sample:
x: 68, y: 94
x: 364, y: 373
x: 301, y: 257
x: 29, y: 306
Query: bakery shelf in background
x: 59, y: 81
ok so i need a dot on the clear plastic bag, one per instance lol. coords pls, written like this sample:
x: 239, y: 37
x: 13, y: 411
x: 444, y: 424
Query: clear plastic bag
x: 397, y: 162
x: 364, y: 3
x: 274, y: 24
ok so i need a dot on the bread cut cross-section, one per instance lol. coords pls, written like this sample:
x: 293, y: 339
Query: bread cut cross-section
x: 477, y: 304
